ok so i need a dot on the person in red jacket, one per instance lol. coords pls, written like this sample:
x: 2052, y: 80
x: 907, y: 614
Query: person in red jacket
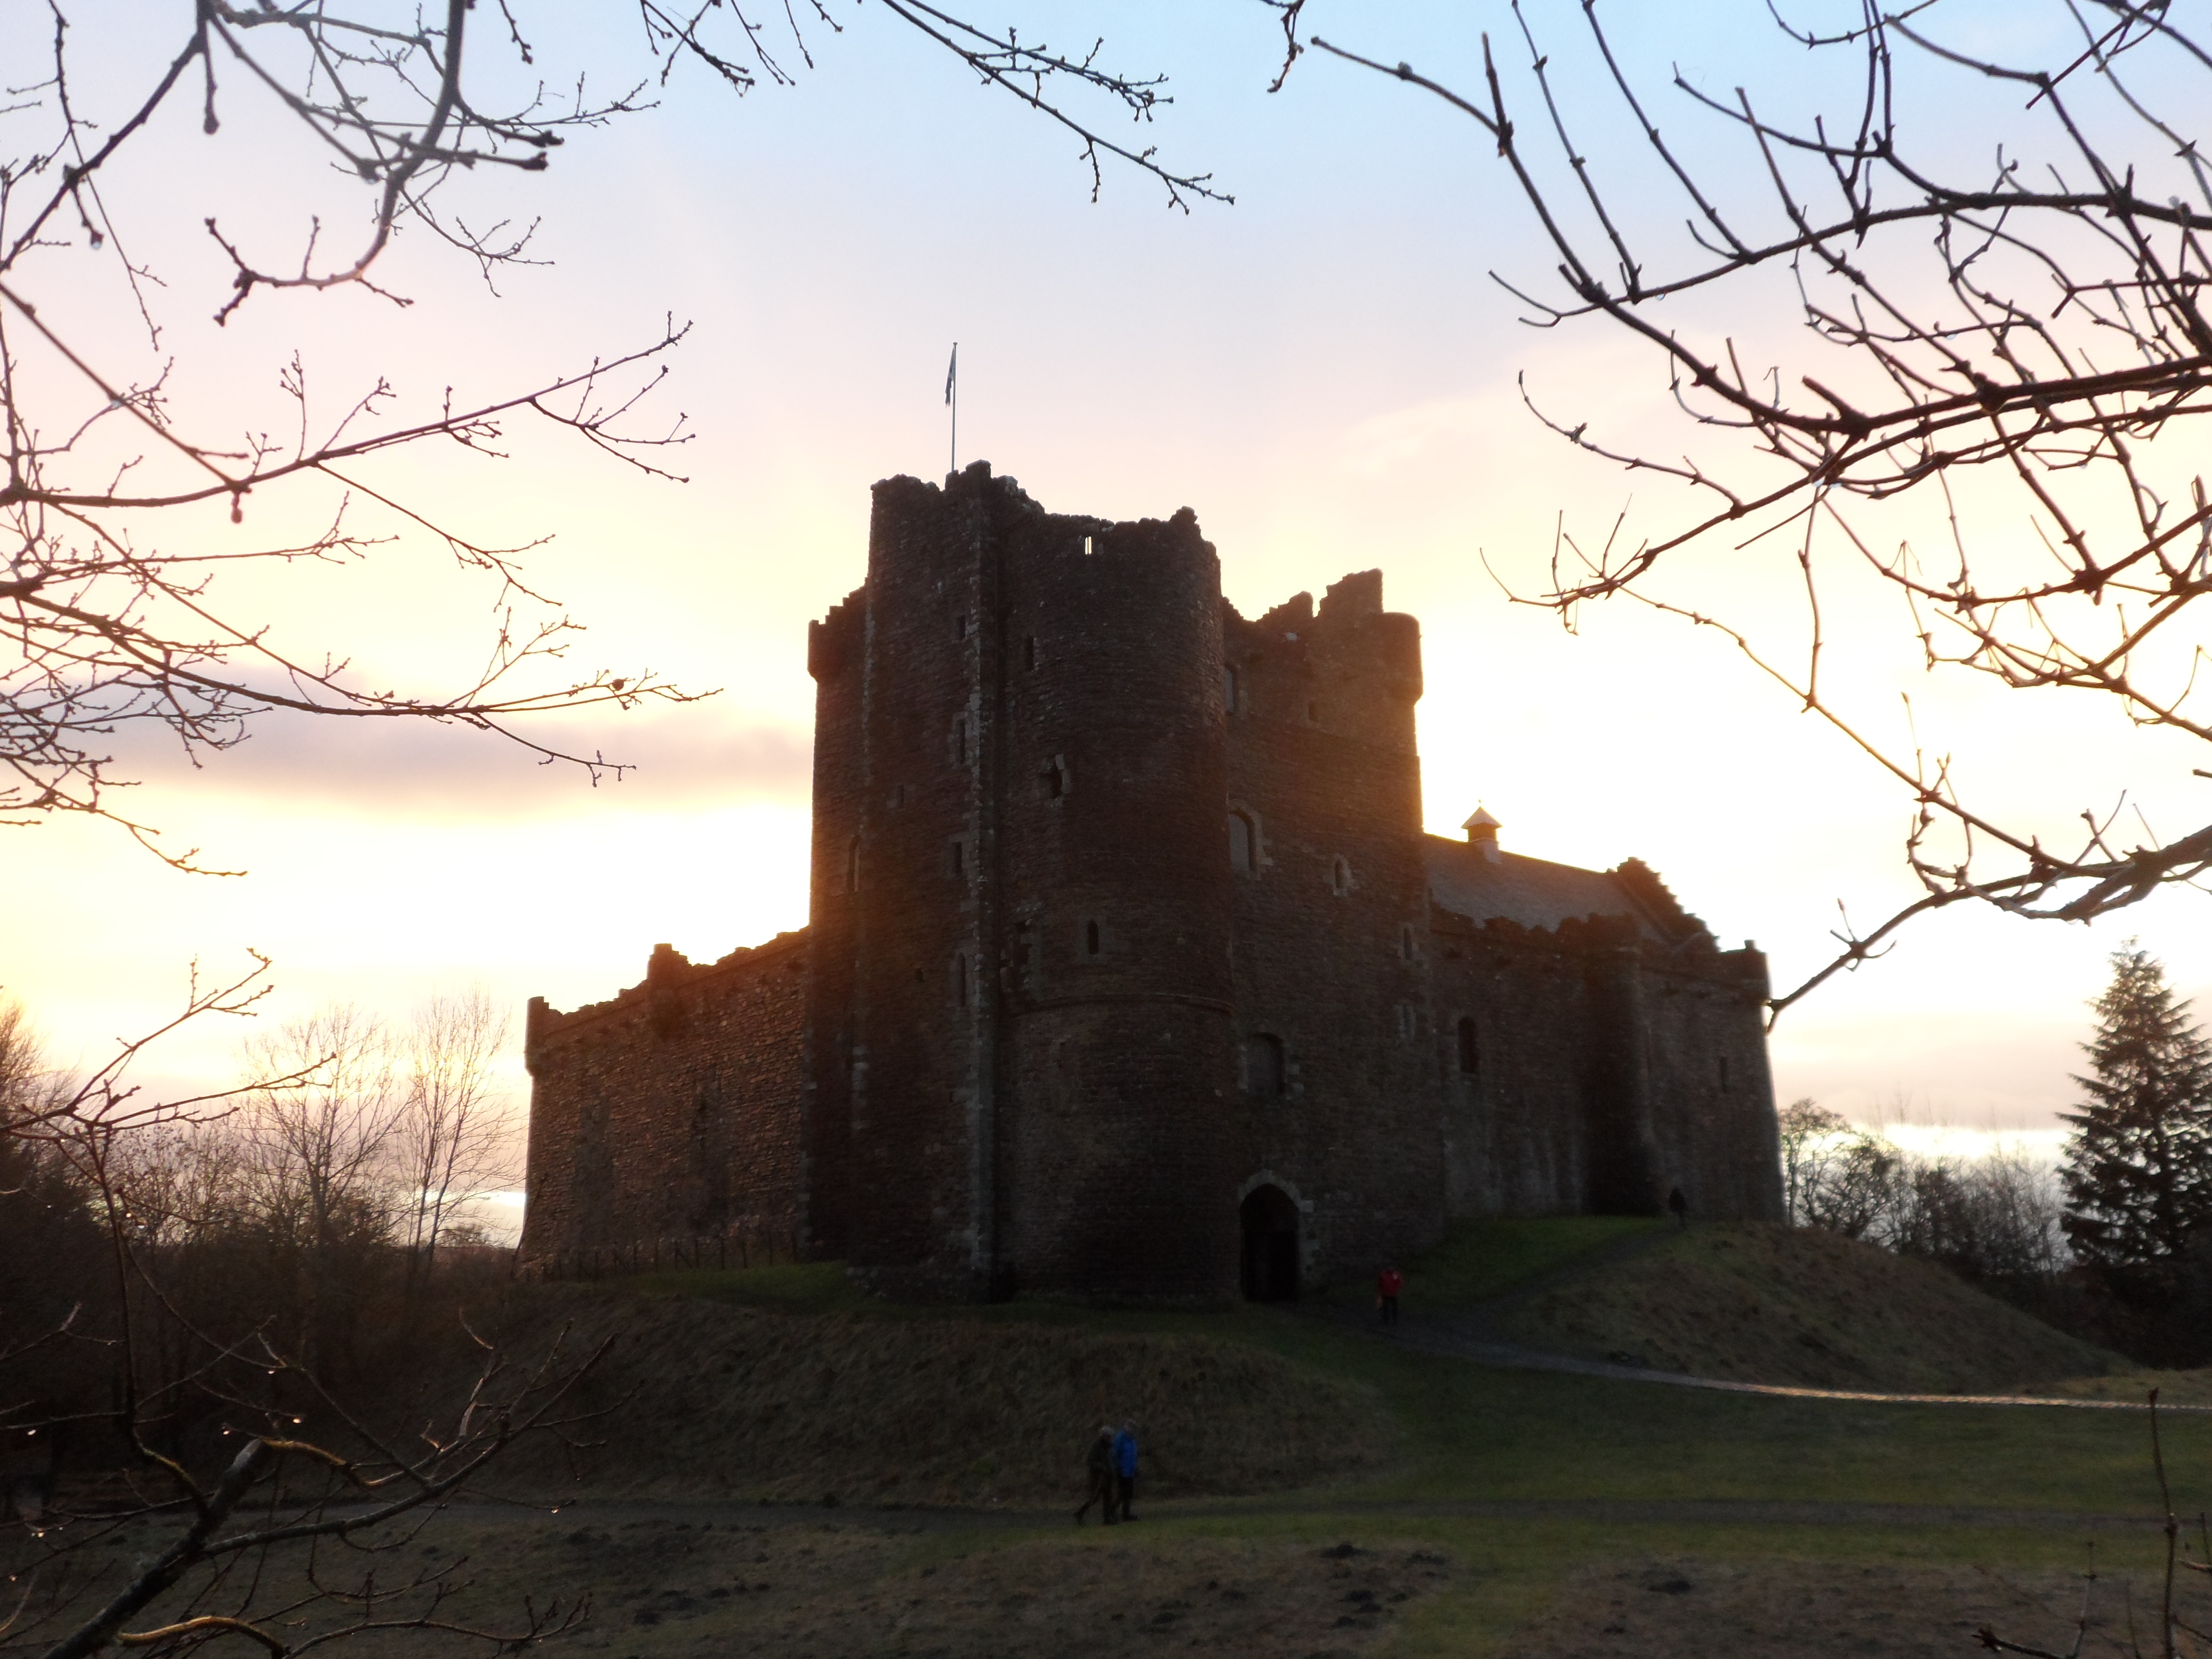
x: 1388, y: 1285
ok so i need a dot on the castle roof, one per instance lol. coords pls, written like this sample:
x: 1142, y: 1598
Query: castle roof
x: 1537, y: 893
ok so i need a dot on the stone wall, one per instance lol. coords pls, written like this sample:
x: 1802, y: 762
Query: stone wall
x: 1112, y: 898
x: 1337, y: 1107
x: 1604, y: 1072
x: 1019, y: 1026
x: 671, y: 1113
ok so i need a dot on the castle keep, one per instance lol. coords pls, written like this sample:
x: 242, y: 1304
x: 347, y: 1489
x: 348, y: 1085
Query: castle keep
x: 1129, y: 970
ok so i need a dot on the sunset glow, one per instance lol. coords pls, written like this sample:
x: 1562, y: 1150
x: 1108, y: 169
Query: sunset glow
x: 1324, y: 372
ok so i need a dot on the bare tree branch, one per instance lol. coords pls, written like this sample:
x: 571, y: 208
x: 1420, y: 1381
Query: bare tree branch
x: 2038, y: 330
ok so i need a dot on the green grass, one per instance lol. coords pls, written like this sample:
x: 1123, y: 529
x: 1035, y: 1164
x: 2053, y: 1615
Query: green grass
x: 1480, y: 1260
x: 801, y: 1287
x: 1470, y: 1431
x: 1473, y: 1431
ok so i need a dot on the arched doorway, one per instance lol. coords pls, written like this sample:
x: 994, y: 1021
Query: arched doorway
x: 1270, y: 1220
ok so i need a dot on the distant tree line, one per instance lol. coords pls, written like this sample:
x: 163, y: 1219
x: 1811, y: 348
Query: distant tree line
x: 2115, y: 1243
x: 1997, y: 1217
x: 318, y: 1201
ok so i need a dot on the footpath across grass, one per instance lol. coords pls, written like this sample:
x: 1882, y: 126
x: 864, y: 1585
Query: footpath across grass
x: 1469, y: 1431
x: 1480, y: 1260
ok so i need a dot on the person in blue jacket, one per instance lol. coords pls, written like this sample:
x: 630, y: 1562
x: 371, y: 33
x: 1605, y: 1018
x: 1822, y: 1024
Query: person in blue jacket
x: 1125, y: 1469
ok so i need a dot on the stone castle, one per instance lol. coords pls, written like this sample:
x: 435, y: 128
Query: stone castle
x: 1130, y: 972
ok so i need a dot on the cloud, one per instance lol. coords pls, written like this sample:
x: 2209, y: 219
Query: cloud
x: 692, y: 757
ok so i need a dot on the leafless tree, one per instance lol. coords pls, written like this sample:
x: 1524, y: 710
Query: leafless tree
x: 234, y: 1490
x: 2009, y: 350
x: 456, y: 1139
x: 116, y: 599
x: 58, y: 1108
x: 286, y: 1535
x: 1849, y: 1186
x: 1992, y: 1218
x: 1808, y: 1131
x: 315, y: 1153
x: 31, y: 1090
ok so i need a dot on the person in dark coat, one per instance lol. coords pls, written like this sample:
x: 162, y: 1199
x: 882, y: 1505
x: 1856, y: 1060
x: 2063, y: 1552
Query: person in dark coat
x: 1125, y: 1471
x: 1098, y: 1464
x: 1680, y: 1207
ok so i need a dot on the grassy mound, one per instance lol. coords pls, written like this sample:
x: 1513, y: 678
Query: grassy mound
x: 1778, y: 1304
x: 709, y: 1398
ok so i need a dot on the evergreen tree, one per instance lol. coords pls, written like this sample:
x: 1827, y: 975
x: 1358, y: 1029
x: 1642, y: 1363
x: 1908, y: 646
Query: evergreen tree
x: 2139, y: 1167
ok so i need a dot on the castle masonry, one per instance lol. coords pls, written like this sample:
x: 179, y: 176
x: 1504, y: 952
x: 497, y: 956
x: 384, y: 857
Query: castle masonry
x: 1130, y: 972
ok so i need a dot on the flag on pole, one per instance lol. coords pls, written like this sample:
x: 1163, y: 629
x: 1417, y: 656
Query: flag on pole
x: 953, y: 402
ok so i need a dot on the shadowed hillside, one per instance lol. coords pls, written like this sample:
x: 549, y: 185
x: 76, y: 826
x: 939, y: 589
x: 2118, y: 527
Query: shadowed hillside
x: 1774, y: 1304
x: 709, y: 1399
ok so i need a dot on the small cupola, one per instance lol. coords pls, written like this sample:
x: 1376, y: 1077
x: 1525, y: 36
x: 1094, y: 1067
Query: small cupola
x: 1482, y: 833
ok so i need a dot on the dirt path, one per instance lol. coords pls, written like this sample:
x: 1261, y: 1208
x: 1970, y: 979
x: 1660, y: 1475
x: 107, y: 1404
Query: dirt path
x: 1442, y: 1336
x: 1687, y: 1511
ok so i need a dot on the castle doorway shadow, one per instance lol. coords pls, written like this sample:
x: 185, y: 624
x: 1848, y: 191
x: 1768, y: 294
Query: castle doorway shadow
x: 1270, y: 1220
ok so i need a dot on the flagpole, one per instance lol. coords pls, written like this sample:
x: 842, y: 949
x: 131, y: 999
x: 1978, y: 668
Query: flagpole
x: 952, y: 400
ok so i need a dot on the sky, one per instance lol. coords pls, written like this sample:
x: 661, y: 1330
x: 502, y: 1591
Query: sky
x: 1325, y: 372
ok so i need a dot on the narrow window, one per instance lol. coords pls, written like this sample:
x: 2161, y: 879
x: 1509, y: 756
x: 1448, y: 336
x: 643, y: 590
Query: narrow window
x: 1229, y: 689
x: 1340, y: 878
x: 1406, y: 943
x: 1725, y: 1076
x: 957, y: 853
x: 960, y: 626
x: 1263, y: 1068
x: 852, y: 865
x: 1090, y: 938
x: 1056, y: 779
x: 960, y: 979
x: 960, y: 741
x: 1029, y: 651
x: 1241, y: 849
x: 1470, y: 1046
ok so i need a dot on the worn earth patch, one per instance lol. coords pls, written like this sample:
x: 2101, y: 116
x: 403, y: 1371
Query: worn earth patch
x: 1682, y: 1607
x: 827, y: 1591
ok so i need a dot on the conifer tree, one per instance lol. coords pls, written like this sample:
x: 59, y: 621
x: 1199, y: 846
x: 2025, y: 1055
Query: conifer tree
x: 2138, y: 1169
